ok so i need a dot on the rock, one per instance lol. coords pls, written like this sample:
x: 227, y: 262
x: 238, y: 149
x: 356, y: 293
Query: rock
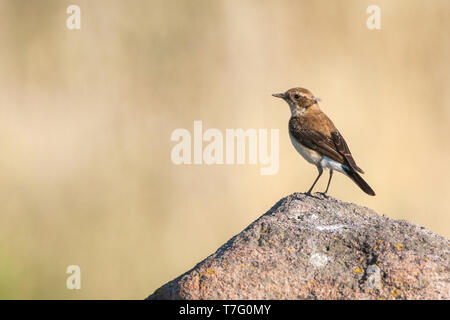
x: 317, y: 247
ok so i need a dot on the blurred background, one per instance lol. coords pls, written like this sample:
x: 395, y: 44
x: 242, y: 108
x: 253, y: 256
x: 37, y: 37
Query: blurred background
x: 86, y: 118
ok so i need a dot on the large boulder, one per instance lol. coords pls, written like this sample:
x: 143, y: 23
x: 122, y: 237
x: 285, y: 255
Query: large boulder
x: 317, y: 247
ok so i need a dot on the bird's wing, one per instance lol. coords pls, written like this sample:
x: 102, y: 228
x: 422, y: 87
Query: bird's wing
x: 342, y: 148
x: 333, y: 147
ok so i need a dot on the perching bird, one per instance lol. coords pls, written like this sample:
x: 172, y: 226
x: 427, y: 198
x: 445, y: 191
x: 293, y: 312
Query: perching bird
x: 316, y: 138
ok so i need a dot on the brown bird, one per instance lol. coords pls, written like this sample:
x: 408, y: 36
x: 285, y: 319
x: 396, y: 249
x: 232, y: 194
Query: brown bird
x: 316, y: 138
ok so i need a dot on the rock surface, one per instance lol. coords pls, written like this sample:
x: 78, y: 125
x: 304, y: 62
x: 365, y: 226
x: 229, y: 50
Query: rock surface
x: 317, y: 247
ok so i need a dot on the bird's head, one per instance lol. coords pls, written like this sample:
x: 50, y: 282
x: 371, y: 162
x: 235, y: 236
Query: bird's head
x: 298, y: 99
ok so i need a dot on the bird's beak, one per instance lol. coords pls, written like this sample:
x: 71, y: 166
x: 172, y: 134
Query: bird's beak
x: 280, y: 95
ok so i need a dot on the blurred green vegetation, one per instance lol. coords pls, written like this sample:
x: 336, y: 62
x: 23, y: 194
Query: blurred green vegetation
x: 86, y: 118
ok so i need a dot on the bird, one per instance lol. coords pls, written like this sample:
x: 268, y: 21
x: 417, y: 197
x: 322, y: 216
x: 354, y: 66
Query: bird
x: 316, y: 138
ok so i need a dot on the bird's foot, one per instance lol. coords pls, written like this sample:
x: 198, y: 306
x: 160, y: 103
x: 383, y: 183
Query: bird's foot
x: 324, y: 194
x: 309, y: 194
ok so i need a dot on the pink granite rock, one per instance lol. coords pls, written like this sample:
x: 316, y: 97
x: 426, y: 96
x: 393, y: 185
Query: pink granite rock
x: 317, y: 247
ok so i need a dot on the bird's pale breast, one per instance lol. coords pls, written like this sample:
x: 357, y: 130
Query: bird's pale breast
x: 310, y: 155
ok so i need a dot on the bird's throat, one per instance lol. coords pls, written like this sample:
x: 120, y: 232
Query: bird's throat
x: 297, y: 111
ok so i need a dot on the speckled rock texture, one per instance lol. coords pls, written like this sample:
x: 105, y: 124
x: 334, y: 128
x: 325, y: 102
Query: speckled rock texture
x: 317, y: 247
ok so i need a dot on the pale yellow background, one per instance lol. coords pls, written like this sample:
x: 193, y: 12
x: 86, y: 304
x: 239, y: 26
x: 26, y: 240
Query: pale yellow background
x: 86, y: 118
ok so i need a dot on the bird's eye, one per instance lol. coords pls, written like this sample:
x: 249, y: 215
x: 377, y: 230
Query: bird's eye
x: 296, y: 96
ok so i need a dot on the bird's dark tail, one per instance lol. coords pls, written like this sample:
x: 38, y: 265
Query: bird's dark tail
x: 359, y: 181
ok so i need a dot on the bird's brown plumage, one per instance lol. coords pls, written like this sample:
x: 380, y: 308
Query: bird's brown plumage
x: 316, y: 131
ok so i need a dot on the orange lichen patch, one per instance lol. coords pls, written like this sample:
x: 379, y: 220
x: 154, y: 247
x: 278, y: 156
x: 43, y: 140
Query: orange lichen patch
x: 399, y: 246
x: 290, y: 249
x: 427, y: 259
x: 395, y: 293
x: 378, y: 241
x: 210, y: 271
x: 375, y: 248
x: 358, y: 270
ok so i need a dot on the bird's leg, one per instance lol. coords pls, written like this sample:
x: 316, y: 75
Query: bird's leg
x: 319, y: 168
x: 329, y: 180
